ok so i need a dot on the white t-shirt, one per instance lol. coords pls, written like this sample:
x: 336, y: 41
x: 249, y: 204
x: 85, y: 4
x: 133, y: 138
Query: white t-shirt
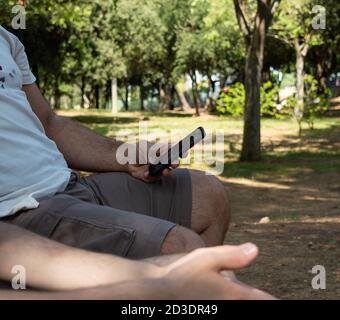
x: 31, y: 166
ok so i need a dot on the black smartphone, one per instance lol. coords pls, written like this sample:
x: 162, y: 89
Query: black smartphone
x: 177, y: 151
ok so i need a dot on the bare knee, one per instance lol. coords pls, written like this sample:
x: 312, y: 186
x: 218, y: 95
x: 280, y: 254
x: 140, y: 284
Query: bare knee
x: 221, y: 203
x: 210, y: 202
x: 181, y: 240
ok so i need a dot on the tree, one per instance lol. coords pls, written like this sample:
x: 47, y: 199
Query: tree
x: 224, y: 50
x: 324, y: 58
x: 142, y: 41
x: 174, y: 15
x: 295, y: 27
x: 254, y: 27
x: 210, y: 45
x: 192, y: 51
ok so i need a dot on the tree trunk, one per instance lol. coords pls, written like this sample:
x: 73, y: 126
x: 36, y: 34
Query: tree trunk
x: 323, y: 56
x: 255, y: 38
x: 97, y: 97
x: 171, y: 97
x: 162, y: 98
x: 322, y: 77
x: 141, y: 97
x: 114, y: 95
x: 251, y: 148
x: 72, y: 100
x: 82, y: 90
x: 208, y: 99
x: 127, y: 95
x: 181, y: 97
x: 126, y: 98
x: 209, y: 104
x: 300, y: 88
x: 167, y: 93
x: 57, y: 95
x: 195, y: 93
x: 107, y: 94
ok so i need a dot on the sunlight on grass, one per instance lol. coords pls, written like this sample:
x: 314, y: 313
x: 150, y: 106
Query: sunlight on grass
x: 284, y: 153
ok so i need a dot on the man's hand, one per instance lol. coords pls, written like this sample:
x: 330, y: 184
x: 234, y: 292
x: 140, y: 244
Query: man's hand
x: 204, y: 274
x: 146, y: 153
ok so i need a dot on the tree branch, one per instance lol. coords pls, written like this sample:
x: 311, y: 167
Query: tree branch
x: 241, y: 18
x: 274, y: 7
x: 306, y: 45
x: 268, y: 9
x: 286, y: 40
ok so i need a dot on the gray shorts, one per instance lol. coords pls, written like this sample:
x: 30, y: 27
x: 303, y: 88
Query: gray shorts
x: 113, y: 213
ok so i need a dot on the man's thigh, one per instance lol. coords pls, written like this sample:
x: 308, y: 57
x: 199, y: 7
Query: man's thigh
x: 89, y: 226
x: 169, y: 199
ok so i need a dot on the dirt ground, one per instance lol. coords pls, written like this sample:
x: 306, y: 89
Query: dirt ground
x: 297, y: 185
x: 299, y: 236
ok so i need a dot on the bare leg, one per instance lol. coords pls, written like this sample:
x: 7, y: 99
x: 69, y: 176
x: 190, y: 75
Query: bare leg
x: 210, y: 208
x: 210, y: 217
x: 181, y: 240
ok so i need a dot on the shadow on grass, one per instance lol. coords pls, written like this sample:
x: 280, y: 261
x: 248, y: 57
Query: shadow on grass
x: 329, y: 132
x: 105, y: 120
x: 171, y: 114
x: 317, y: 151
x: 288, y: 164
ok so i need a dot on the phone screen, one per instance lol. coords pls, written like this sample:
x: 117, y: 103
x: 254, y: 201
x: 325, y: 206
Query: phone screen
x: 181, y: 148
x: 178, y: 151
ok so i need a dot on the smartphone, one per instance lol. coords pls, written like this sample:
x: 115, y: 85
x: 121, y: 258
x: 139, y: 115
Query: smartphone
x: 177, y: 152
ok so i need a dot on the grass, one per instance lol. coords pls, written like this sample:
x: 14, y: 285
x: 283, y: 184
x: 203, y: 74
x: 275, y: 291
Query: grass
x: 285, y: 164
x: 284, y: 153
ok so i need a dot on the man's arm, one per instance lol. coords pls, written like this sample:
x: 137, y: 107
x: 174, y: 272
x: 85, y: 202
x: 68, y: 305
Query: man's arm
x: 199, y: 275
x: 52, y: 266
x: 82, y: 148
x: 141, y: 289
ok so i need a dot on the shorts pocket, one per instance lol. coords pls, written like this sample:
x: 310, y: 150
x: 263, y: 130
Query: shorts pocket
x: 88, y: 235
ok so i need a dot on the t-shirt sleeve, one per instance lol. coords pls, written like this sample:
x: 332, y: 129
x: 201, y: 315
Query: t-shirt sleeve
x: 21, y: 60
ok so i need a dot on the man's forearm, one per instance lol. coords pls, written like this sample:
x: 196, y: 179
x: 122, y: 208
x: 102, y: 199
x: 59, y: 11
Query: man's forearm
x: 53, y: 266
x: 142, y: 289
x: 82, y: 148
x: 163, y: 261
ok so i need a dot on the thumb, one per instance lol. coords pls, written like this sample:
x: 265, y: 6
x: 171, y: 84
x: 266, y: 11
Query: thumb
x: 233, y: 257
x: 218, y: 259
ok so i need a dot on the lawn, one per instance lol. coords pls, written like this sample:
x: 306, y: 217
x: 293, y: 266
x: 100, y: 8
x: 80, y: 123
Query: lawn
x: 296, y: 185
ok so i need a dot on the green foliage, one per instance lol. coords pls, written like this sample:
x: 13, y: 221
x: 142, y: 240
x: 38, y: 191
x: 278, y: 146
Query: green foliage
x: 294, y: 20
x: 316, y: 104
x: 232, y: 101
x: 83, y: 44
x: 210, y: 41
x: 269, y: 99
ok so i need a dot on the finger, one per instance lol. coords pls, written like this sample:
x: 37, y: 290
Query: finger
x: 174, y: 165
x: 247, y: 291
x: 218, y: 259
x: 230, y: 257
x: 256, y: 294
x: 147, y: 178
x: 167, y: 173
x: 228, y: 275
x: 242, y: 291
